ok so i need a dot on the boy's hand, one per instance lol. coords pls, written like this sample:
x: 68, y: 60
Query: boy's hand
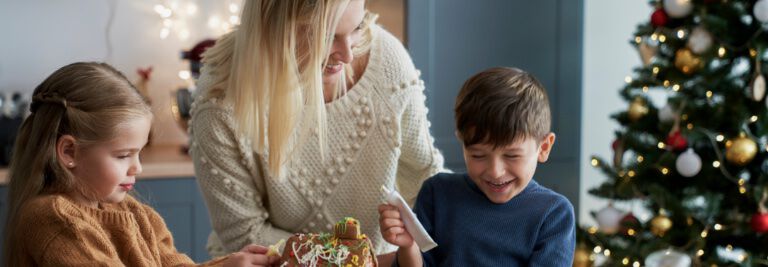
x: 392, y: 227
x: 251, y: 255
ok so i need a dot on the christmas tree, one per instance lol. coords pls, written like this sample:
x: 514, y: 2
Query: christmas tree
x: 692, y: 148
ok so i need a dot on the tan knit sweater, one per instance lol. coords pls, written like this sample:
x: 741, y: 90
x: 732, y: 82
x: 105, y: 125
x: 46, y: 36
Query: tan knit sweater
x: 56, y: 231
x: 378, y: 134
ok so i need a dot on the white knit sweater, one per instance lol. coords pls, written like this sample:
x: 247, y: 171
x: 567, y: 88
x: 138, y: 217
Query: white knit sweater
x: 378, y: 134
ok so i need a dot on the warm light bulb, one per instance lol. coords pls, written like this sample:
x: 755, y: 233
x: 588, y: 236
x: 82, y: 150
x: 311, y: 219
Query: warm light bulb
x: 597, y: 249
x: 721, y: 51
x: 664, y: 171
x: 661, y: 145
x: 720, y: 138
x: 625, y: 261
x: 700, y: 252
x: 709, y: 94
x: 662, y: 38
x: 638, y: 39
x: 676, y: 87
x: 640, y: 158
x: 680, y: 34
x: 628, y: 79
x: 716, y: 164
x: 718, y: 227
x: 704, y: 234
x: 655, y: 70
x: 753, y: 118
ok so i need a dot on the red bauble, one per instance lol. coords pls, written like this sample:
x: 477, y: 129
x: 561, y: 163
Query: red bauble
x: 676, y: 141
x: 760, y: 222
x: 629, y: 222
x: 659, y: 18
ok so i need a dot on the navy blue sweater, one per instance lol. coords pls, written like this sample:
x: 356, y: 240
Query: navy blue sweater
x: 535, y: 228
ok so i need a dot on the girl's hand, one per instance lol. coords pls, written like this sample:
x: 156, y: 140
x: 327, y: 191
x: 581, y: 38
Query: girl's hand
x: 251, y: 256
x: 392, y: 227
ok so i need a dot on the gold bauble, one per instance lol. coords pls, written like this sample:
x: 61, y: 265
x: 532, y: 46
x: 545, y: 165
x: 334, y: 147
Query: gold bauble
x: 637, y: 109
x: 686, y: 61
x: 740, y: 150
x: 582, y: 257
x: 660, y: 225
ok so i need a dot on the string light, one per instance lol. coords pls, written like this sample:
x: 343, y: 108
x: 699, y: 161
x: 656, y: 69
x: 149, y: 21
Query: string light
x: 666, y: 83
x: 593, y: 230
x: 742, y: 181
x: 636, y: 264
x: 721, y: 51
x: 597, y: 249
x: 720, y: 138
x: 665, y: 171
x: 594, y: 162
x: 700, y: 252
x: 628, y: 79
x: 638, y: 40
x: 625, y: 261
x: 684, y: 117
x: 631, y: 232
x: 709, y: 94
x: 640, y: 158
x: 661, y: 145
x: 753, y: 118
x: 655, y: 70
x: 680, y: 34
x: 752, y: 52
x: 742, y: 190
x: 631, y: 173
x: 716, y: 164
x: 704, y: 234
x: 676, y: 87
x: 654, y: 37
x: 645, y: 89
x: 607, y: 252
x: 662, y: 38
x: 689, y: 126
x: 718, y: 227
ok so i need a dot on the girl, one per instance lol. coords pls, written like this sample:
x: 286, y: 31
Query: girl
x: 76, y: 159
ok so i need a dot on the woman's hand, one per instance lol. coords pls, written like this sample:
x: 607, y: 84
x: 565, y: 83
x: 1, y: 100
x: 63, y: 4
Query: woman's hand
x: 392, y: 227
x: 252, y: 256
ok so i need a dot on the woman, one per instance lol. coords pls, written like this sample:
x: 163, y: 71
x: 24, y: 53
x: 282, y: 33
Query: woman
x: 304, y: 112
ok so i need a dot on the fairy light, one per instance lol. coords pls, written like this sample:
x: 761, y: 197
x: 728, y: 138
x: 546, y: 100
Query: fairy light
x: 665, y: 170
x: 700, y: 252
x: 655, y: 70
x: 662, y: 38
x: 716, y: 164
x: 636, y: 264
x: 638, y: 39
x: 593, y: 230
x: 676, y: 87
x: 185, y: 74
x: 666, y: 83
x: 721, y: 51
x: 645, y: 89
x: 661, y: 145
x: 689, y: 126
x: 742, y: 190
x: 718, y: 227
x: 729, y: 247
x: 704, y: 234
x: 709, y: 94
x: 684, y: 117
x: 654, y: 37
x: 607, y: 252
x: 752, y: 52
x: 720, y: 138
x: 753, y: 118
x: 622, y: 173
x: 598, y: 249
x: 631, y: 232
x: 625, y: 261
x: 628, y: 79
x: 680, y: 34
x: 640, y: 158
x: 742, y: 181
x: 631, y: 173
x: 742, y: 257
x: 594, y: 162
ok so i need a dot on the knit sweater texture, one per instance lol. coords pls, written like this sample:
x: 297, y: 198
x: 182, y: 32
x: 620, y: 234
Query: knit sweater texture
x: 60, y: 232
x: 378, y: 134
x: 535, y: 228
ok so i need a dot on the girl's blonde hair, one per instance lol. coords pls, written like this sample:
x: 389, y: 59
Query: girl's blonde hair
x: 270, y: 68
x: 89, y: 101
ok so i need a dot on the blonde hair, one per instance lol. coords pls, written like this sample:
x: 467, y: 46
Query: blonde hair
x: 271, y: 68
x: 87, y: 100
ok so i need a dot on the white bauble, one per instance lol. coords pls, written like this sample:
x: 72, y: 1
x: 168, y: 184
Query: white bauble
x: 688, y: 164
x: 608, y: 219
x: 761, y: 11
x: 666, y: 114
x: 678, y: 8
x: 700, y: 40
x: 668, y: 258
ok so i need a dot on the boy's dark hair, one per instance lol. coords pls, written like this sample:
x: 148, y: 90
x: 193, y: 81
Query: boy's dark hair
x: 500, y: 105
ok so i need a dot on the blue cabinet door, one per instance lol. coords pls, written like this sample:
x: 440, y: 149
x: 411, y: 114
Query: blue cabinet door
x: 179, y: 201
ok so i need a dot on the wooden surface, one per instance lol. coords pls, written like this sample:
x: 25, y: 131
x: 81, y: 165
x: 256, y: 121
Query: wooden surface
x: 157, y: 162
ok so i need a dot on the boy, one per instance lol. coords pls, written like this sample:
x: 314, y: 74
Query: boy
x: 494, y: 215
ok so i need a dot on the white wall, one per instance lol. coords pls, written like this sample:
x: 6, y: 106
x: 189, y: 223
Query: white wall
x: 39, y: 36
x: 608, y: 58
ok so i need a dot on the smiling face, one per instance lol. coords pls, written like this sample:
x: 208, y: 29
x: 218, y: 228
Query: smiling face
x: 502, y: 173
x: 348, y: 34
x: 109, y: 169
